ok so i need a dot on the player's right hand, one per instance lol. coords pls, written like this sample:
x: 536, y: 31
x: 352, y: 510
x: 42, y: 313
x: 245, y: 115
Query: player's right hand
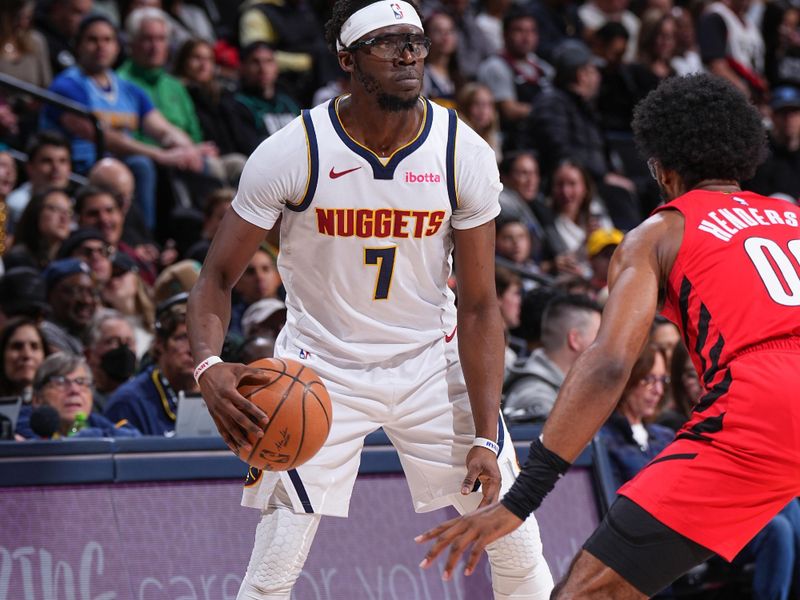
x: 477, y: 529
x: 236, y: 417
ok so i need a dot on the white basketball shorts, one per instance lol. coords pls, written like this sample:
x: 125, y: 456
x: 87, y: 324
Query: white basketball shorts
x: 420, y: 400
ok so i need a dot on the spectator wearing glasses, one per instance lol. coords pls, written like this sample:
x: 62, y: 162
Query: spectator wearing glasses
x: 150, y: 400
x: 90, y: 246
x: 72, y: 296
x: 101, y: 209
x: 64, y: 382
x: 632, y: 441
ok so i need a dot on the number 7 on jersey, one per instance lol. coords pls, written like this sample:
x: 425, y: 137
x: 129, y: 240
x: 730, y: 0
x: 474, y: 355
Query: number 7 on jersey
x: 384, y: 259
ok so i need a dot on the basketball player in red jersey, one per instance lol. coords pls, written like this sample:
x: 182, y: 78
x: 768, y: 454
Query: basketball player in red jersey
x: 725, y: 266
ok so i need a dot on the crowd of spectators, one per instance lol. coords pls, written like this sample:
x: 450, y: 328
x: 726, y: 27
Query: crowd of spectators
x: 103, y: 229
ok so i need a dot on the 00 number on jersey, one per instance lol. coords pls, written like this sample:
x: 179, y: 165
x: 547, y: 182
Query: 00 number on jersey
x: 776, y: 269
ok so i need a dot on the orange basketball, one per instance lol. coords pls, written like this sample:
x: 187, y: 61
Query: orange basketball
x: 299, y: 411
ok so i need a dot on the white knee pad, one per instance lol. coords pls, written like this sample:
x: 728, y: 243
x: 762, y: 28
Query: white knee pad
x: 283, y: 540
x: 519, y: 570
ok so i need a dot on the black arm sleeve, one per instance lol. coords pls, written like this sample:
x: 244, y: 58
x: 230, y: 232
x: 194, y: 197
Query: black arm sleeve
x: 539, y: 475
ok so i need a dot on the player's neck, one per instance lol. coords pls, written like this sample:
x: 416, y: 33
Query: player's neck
x: 727, y: 186
x: 380, y: 130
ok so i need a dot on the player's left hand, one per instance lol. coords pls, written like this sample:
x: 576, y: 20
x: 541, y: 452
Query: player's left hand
x: 479, y: 528
x: 482, y: 466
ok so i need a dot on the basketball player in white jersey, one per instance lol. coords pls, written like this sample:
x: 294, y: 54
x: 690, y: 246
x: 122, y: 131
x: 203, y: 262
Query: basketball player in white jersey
x: 376, y: 190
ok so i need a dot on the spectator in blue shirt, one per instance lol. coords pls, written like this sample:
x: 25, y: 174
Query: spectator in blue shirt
x: 64, y: 382
x: 631, y: 440
x: 123, y: 109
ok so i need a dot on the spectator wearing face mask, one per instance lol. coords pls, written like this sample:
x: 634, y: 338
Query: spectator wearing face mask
x: 150, y: 400
x: 110, y: 354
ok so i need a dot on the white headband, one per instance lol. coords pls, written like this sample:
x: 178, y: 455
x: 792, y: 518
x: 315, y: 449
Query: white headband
x: 374, y: 16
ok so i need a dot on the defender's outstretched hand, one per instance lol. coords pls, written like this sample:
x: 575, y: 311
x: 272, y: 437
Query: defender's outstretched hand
x: 479, y: 528
x: 235, y: 415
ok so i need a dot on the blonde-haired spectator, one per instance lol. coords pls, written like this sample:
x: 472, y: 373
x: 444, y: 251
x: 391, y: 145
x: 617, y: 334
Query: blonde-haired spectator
x: 476, y: 107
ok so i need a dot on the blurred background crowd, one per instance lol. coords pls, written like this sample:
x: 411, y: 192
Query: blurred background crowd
x: 125, y: 125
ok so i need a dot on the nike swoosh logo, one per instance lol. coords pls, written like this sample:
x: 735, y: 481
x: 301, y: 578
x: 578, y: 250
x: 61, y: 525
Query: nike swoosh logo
x: 449, y: 338
x: 334, y: 175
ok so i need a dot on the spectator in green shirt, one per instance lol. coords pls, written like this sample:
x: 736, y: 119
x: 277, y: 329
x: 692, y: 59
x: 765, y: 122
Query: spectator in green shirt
x: 149, y: 32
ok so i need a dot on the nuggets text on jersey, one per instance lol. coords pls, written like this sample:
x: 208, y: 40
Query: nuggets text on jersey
x: 380, y: 223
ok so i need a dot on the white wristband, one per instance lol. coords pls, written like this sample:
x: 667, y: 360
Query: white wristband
x: 486, y: 443
x: 204, y: 366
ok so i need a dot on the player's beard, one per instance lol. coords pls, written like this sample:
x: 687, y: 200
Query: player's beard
x: 386, y: 102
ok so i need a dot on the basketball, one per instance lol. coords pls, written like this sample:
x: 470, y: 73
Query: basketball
x: 299, y: 411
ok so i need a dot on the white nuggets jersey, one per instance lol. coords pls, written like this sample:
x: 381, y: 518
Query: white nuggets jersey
x: 366, y: 242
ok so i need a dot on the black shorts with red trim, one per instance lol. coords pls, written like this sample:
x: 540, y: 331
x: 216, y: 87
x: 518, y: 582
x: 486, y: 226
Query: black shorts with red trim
x: 736, y: 463
x: 642, y: 550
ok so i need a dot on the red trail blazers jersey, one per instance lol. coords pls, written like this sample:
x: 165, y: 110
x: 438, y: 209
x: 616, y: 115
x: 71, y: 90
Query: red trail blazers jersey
x: 736, y: 279
x: 734, y: 292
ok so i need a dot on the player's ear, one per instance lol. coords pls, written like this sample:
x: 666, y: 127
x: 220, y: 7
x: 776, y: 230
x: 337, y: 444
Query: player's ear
x: 671, y: 182
x: 346, y: 61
